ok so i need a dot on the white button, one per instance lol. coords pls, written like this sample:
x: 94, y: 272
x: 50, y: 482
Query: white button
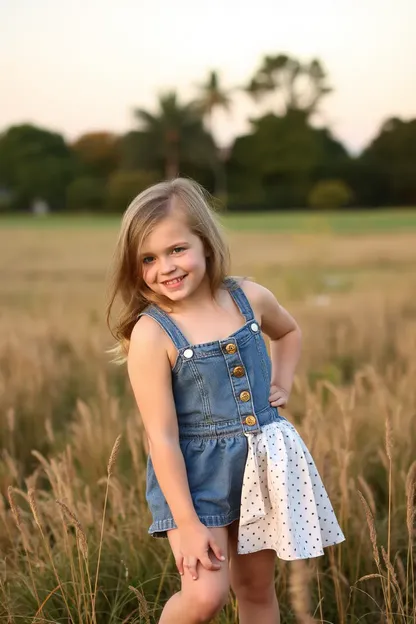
x: 254, y: 327
x: 188, y: 353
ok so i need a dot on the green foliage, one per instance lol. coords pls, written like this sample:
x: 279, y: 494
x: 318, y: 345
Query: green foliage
x: 123, y: 186
x: 285, y: 156
x: 330, y: 194
x: 85, y: 193
x: 35, y: 163
x: 301, y: 86
x: 387, y: 167
x: 98, y: 153
x: 277, y: 165
x: 175, y: 136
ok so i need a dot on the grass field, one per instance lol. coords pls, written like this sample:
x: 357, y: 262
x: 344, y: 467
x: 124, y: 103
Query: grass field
x: 354, y: 222
x: 62, y: 406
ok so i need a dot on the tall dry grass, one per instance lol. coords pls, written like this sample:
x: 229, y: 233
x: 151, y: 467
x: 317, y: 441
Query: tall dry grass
x: 73, y: 528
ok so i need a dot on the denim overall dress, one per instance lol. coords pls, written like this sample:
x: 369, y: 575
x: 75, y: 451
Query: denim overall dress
x: 244, y: 461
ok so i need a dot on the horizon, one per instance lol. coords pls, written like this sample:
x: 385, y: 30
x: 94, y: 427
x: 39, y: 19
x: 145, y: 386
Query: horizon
x: 70, y: 70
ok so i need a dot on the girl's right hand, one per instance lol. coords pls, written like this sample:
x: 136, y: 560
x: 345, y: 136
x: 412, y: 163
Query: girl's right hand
x: 196, y: 541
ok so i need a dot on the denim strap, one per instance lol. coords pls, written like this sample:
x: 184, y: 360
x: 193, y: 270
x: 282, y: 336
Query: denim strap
x: 168, y: 325
x: 240, y: 298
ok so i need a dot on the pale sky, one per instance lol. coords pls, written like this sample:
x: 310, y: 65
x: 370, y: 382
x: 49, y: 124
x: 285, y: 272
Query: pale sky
x: 76, y: 66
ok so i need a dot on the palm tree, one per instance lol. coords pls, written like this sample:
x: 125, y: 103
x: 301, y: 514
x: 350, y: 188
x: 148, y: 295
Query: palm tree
x: 212, y: 97
x: 302, y: 86
x: 175, y: 134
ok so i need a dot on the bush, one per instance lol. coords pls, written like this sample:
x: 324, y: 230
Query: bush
x: 330, y: 194
x: 123, y: 186
x: 85, y: 193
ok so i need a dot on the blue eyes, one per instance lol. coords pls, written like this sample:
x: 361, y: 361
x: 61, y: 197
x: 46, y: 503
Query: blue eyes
x: 149, y: 259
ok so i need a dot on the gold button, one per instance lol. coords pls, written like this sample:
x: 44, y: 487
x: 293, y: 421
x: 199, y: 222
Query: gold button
x: 231, y: 348
x: 250, y: 420
x: 238, y: 371
x: 245, y: 396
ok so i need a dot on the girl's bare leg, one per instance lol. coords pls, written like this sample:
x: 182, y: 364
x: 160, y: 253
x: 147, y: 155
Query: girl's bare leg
x: 252, y: 580
x: 199, y: 601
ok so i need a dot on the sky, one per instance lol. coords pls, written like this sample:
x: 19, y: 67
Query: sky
x: 75, y: 66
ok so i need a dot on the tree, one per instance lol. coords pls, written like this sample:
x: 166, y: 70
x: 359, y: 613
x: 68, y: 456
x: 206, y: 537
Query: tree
x: 123, y: 186
x: 277, y: 164
x: 212, y: 97
x: 35, y: 163
x: 301, y: 87
x: 330, y: 194
x: 175, y: 136
x: 387, y: 167
x: 97, y: 153
x: 85, y: 193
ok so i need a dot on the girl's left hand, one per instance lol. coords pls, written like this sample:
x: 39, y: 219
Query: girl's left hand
x: 278, y: 396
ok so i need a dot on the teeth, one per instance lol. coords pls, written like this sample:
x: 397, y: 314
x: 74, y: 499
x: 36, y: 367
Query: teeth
x: 174, y: 281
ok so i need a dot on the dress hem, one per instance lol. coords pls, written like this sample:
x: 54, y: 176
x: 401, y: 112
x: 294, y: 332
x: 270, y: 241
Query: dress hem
x: 160, y: 527
x: 285, y: 557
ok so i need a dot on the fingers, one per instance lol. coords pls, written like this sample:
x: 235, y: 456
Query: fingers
x: 280, y: 402
x: 179, y: 564
x: 190, y: 565
x: 216, y: 550
x: 278, y: 397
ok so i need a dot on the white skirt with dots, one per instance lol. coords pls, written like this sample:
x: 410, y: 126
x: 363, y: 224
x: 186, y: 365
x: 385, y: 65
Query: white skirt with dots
x: 284, y: 504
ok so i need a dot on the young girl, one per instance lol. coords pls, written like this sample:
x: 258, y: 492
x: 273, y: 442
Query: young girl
x: 229, y: 480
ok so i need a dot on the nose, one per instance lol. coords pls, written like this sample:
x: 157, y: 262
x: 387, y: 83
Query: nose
x: 167, y: 265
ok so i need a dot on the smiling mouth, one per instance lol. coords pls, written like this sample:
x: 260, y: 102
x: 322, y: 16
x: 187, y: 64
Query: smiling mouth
x: 174, y: 281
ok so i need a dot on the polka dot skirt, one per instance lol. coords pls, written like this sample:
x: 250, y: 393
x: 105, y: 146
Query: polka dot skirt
x: 284, y: 504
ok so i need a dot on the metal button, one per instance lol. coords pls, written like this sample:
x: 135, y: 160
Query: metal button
x: 238, y: 371
x: 231, y: 348
x: 245, y: 396
x: 188, y: 353
x: 250, y: 420
x: 254, y: 327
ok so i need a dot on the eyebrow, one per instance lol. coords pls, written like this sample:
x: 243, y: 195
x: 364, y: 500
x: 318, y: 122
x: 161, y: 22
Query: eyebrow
x: 178, y: 244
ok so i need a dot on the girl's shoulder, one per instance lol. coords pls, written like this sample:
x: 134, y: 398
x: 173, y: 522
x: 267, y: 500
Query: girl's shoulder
x: 148, y: 333
x: 255, y: 292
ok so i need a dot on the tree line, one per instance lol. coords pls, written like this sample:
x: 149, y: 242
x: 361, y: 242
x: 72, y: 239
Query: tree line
x: 283, y: 162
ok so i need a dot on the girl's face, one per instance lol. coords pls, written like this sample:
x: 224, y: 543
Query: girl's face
x: 173, y: 259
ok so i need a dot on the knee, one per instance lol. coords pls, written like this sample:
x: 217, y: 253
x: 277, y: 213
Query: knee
x: 254, y: 589
x: 206, y: 605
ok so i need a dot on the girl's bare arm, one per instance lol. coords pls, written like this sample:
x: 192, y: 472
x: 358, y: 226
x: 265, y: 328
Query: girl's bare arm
x: 283, y: 331
x: 149, y: 371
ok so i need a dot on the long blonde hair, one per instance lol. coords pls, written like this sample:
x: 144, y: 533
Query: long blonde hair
x: 140, y: 218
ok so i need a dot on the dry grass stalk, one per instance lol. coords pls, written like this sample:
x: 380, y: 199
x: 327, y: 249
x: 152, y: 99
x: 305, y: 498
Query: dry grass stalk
x: 389, y: 437
x: 34, y: 507
x: 299, y: 582
x: 369, y: 576
x: 368, y: 494
x: 372, y: 529
x: 143, y: 606
x: 81, y: 537
x: 411, y: 478
x: 113, y: 456
x: 410, y: 496
x: 390, y: 568
x: 411, y: 512
x: 110, y: 465
x: 15, y: 509
x: 18, y: 519
x: 401, y: 572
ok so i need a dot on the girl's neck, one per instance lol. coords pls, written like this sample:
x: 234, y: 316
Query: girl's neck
x: 198, y: 300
